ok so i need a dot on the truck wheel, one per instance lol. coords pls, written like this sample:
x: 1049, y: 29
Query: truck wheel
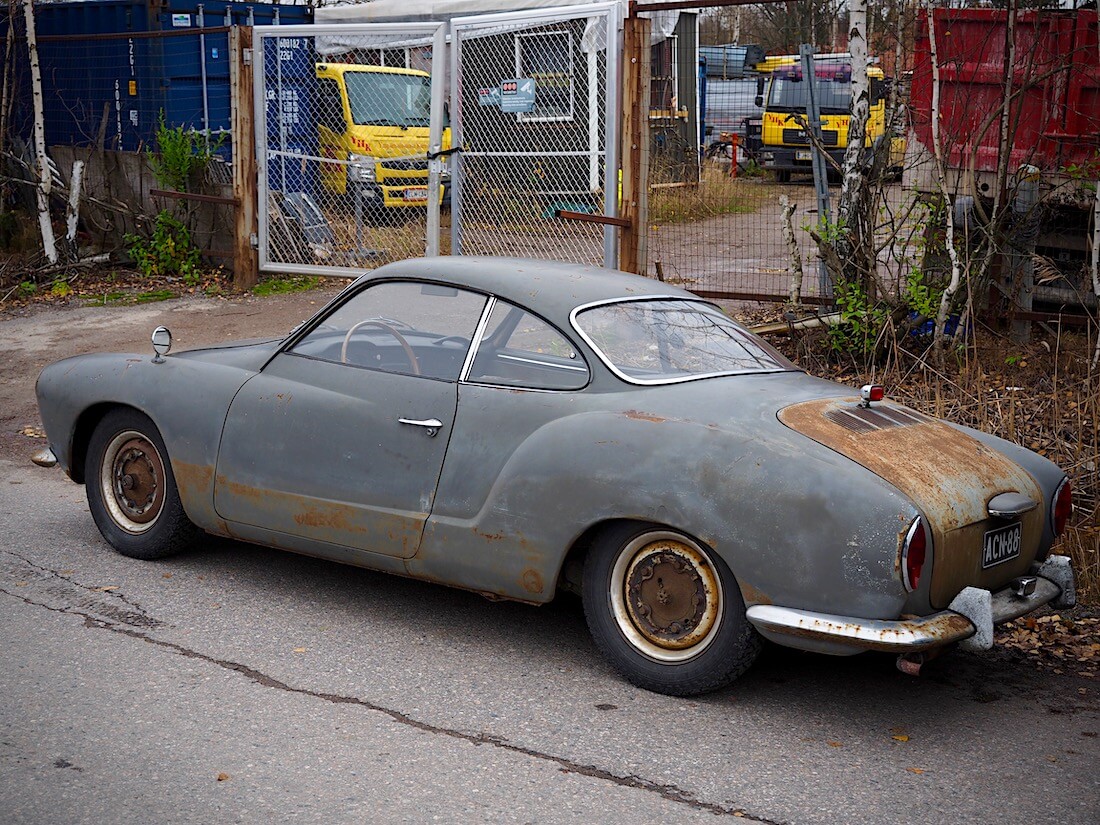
x: 131, y: 490
x: 666, y: 611
x: 782, y: 175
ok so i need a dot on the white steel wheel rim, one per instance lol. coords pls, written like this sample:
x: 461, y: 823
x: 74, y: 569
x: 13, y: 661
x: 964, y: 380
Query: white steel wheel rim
x: 131, y: 482
x: 678, y: 626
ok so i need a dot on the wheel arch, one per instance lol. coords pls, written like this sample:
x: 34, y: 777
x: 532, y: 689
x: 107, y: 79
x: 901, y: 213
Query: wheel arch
x: 571, y: 572
x: 85, y: 425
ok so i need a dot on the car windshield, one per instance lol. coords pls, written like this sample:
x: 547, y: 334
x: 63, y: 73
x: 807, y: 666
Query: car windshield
x: 389, y: 98
x: 661, y: 341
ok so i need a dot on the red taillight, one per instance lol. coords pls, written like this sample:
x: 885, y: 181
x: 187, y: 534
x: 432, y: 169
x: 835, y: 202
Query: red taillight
x: 913, y: 554
x: 871, y: 392
x: 1062, y: 508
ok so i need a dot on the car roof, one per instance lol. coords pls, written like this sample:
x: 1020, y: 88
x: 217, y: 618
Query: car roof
x: 550, y: 288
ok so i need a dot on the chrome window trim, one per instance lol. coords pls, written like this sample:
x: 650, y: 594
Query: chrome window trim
x: 475, y: 342
x: 546, y: 364
x: 464, y: 376
x: 652, y: 382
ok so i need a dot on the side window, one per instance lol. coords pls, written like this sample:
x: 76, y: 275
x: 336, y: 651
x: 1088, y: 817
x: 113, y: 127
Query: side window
x: 521, y: 350
x: 400, y: 327
x: 330, y: 106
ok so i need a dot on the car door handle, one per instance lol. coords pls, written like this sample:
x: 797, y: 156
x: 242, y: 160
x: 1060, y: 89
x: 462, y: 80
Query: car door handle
x: 431, y: 425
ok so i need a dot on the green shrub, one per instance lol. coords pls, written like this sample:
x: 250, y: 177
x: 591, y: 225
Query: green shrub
x: 169, y: 252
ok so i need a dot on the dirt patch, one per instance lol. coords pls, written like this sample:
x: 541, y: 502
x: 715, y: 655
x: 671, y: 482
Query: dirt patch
x: 35, y: 332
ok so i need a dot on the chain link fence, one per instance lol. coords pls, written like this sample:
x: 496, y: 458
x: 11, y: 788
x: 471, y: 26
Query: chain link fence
x: 536, y: 118
x: 347, y: 118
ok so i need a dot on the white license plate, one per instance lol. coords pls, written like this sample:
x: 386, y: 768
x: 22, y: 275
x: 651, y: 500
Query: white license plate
x: 801, y: 155
x: 416, y: 193
x: 1001, y: 545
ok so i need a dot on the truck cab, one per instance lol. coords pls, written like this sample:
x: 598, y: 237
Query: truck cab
x: 373, y: 128
x: 785, y: 146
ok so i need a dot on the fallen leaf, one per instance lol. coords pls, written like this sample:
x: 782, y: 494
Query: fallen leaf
x: 299, y: 650
x: 166, y: 575
x: 900, y: 738
x: 834, y: 744
x: 222, y: 777
x: 917, y: 771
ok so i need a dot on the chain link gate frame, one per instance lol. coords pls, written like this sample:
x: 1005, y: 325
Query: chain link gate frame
x: 344, y: 180
x: 522, y: 167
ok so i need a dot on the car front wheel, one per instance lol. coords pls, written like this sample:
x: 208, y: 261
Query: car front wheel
x: 131, y: 490
x: 666, y: 611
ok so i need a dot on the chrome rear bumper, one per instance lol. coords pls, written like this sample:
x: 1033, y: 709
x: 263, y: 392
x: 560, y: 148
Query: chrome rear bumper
x: 970, y: 617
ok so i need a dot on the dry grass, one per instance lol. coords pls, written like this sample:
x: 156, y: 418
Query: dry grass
x: 1044, y: 395
x: 716, y: 194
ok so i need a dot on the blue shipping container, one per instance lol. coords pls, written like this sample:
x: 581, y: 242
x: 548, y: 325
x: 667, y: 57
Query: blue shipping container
x: 104, y: 89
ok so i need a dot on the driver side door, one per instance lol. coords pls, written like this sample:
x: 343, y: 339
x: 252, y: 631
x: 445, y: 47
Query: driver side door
x: 341, y: 438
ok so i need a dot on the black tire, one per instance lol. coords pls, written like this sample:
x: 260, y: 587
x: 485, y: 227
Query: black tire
x: 131, y: 490
x: 782, y: 175
x: 692, y: 638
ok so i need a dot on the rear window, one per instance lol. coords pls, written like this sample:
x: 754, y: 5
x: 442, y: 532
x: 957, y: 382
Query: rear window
x: 662, y: 341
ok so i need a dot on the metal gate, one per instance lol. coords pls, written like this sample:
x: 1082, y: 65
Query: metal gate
x: 535, y: 107
x: 346, y: 119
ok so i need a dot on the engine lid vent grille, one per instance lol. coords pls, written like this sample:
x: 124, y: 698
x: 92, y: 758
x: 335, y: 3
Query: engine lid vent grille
x: 870, y: 419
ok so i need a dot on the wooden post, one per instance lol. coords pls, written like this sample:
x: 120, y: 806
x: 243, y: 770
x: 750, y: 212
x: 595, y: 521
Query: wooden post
x: 245, y: 258
x: 633, y: 252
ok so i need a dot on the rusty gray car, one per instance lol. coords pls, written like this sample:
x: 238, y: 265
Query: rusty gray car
x: 521, y: 428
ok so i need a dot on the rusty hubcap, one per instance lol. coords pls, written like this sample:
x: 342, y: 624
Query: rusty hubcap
x: 132, y: 481
x: 666, y: 596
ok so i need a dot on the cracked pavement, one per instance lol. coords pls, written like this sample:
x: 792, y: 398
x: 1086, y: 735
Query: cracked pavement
x: 239, y: 684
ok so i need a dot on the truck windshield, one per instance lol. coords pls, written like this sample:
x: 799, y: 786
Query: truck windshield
x: 789, y: 94
x: 388, y: 99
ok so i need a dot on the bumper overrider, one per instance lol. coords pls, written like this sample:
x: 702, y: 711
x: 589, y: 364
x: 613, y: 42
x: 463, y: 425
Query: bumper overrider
x: 969, y: 618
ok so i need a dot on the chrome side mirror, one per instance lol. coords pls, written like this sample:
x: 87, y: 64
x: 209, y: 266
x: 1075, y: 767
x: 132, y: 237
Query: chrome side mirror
x: 162, y: 343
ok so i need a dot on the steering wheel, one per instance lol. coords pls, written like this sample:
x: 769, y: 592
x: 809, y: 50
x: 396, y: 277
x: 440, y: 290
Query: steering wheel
x: 374, y: 322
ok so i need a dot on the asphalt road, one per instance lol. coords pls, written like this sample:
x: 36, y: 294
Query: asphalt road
x: 329, y: 694
x: 239, y: 684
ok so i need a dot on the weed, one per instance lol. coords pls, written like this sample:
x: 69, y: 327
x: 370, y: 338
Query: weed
x: 26, y: 289
x: 169, y: 252
x: 862, y: 320
x: 182, y: 155
x: 154, y: 295
x: 61, y: 289
x: 284, y: 284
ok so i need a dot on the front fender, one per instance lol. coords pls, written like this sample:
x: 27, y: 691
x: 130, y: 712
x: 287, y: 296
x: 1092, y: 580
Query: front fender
x: 186, y: 398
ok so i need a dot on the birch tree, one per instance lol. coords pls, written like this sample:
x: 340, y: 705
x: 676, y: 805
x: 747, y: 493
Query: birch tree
x: 945, y: 195
x: 45, y: 178
x: 860, y: 109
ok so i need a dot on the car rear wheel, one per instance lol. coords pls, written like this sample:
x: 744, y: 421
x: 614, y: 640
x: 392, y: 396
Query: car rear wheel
x: 131, y: 490
x: 666, y: 611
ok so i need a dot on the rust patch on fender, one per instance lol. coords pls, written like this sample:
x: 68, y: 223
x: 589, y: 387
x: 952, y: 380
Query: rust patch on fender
x: 531, y: 580
x: 640, y: 416
x: 192, y: 480
x: 752, y: 595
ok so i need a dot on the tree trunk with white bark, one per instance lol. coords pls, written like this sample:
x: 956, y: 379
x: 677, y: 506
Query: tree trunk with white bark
x: 941, y: 183
x: 45, y: 180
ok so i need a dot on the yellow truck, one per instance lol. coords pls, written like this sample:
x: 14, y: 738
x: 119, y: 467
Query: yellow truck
x: 785, y: 147
x: 373, y: 123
